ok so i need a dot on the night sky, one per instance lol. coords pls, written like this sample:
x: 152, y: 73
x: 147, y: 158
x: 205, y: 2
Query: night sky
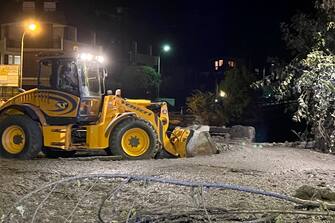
x: 197, y: 30
x: 201, y: 30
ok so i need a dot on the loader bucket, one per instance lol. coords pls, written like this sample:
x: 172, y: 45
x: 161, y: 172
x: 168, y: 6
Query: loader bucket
x: 200, y: 143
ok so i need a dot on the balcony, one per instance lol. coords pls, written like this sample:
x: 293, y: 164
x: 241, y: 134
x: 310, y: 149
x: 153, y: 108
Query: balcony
x: 51, y: 44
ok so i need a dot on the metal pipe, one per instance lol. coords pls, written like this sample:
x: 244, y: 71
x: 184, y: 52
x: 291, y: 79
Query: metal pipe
x: 21, y: 59
x: 159, y: 73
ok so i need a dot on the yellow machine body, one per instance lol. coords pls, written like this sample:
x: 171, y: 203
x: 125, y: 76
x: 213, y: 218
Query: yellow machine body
x: 49, y: 107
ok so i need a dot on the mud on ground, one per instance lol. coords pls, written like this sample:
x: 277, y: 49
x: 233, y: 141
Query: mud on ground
x: 270, y: 168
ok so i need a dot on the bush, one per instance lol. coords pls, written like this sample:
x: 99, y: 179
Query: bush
x: 138, y: 81
x: 315, y: 86
x: 208, y: 107
x: 239, y: 94
x: 229, y: 108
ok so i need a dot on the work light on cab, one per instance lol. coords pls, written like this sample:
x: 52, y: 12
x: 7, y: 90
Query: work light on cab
x: 90, y: 57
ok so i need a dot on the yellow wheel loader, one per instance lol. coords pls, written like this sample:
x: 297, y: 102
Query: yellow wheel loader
x: 69, y: 111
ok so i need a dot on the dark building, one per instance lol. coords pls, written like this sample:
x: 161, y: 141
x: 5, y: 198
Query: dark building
x: 55, y: 38
x: 218, y: 67
x: 62, y: 33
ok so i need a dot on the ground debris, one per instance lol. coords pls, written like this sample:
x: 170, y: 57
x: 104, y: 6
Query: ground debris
x: 287, y: 168
x: 307, y: 192
x: 92, y: 158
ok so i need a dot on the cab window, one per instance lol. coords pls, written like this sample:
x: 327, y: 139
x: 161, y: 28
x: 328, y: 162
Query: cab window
x: 59, y: 75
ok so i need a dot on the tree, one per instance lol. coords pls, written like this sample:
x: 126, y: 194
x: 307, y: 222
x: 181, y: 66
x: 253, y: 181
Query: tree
x: 138, y: 81
x: 316, y: 88
x: 328, y: 6
x: 311, y: 74
x: 229, y: 107
x: 308, y: 33
x: 208, y: 107
x: 238, y: 93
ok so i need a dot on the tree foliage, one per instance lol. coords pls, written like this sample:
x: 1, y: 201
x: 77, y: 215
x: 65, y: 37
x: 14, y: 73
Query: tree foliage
x: 236, y: 86
x: 311, y: 74
x: 208, y: 107
x: 308, y: 33
x: 328, y: 6
x: 225, y: 109
x: 139, y: 81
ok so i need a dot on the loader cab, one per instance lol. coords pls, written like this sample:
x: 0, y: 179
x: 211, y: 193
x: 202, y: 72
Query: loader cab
x: 78, y: 82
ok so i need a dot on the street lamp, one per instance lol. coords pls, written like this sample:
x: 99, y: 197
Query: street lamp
x: 165, y: 49
x: 29, y: 27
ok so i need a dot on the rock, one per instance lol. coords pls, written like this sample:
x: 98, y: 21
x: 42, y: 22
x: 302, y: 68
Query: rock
x: 226, y: 137
x: 201, y: 143
x: 295, y: 144
x: 200, y: 128
x: 215, y: 130
x: 310, y: 145
x: 306, y: 192
x: 243, y: 132
x: 301, y: 145
x: 287, y: 144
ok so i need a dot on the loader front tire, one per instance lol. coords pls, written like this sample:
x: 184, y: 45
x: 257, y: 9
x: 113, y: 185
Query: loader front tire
x: 21, y: 137
x: 134, y: 139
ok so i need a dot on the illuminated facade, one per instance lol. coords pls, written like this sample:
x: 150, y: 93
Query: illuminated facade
x: 221, y: 64
x: 55, y: 38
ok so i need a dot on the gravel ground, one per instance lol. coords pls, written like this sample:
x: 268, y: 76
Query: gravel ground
x: 269, y: 168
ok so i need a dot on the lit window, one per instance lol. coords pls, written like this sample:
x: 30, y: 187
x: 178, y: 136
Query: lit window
x: 220, y: 63
x: 17, y: 59
x: 216, y: 65
x: 231, y: 63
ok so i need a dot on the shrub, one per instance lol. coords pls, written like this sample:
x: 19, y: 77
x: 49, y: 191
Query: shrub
x: 207, y: 107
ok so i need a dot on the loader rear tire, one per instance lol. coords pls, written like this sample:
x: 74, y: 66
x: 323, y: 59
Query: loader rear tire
x: 20, y: 136
x: 134, y: 139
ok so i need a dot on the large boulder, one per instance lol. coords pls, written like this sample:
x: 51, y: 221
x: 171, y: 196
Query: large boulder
x: 201, y: 143
x: 243, y: 132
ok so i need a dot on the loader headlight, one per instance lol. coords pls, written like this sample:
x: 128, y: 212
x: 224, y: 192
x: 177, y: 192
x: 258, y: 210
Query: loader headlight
x: 100, y: 59
x: 89, y: 107
x: 90, y: 57
x: 86, y: 56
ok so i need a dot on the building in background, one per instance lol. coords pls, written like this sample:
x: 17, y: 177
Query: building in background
x: 218, y: 67
x: 65, y: 30
x: 222, y: 64
x: 55, y: 38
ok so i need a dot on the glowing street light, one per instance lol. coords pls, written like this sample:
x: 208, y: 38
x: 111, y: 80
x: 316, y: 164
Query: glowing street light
x: 30, y: 27
x: 166, y: 48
